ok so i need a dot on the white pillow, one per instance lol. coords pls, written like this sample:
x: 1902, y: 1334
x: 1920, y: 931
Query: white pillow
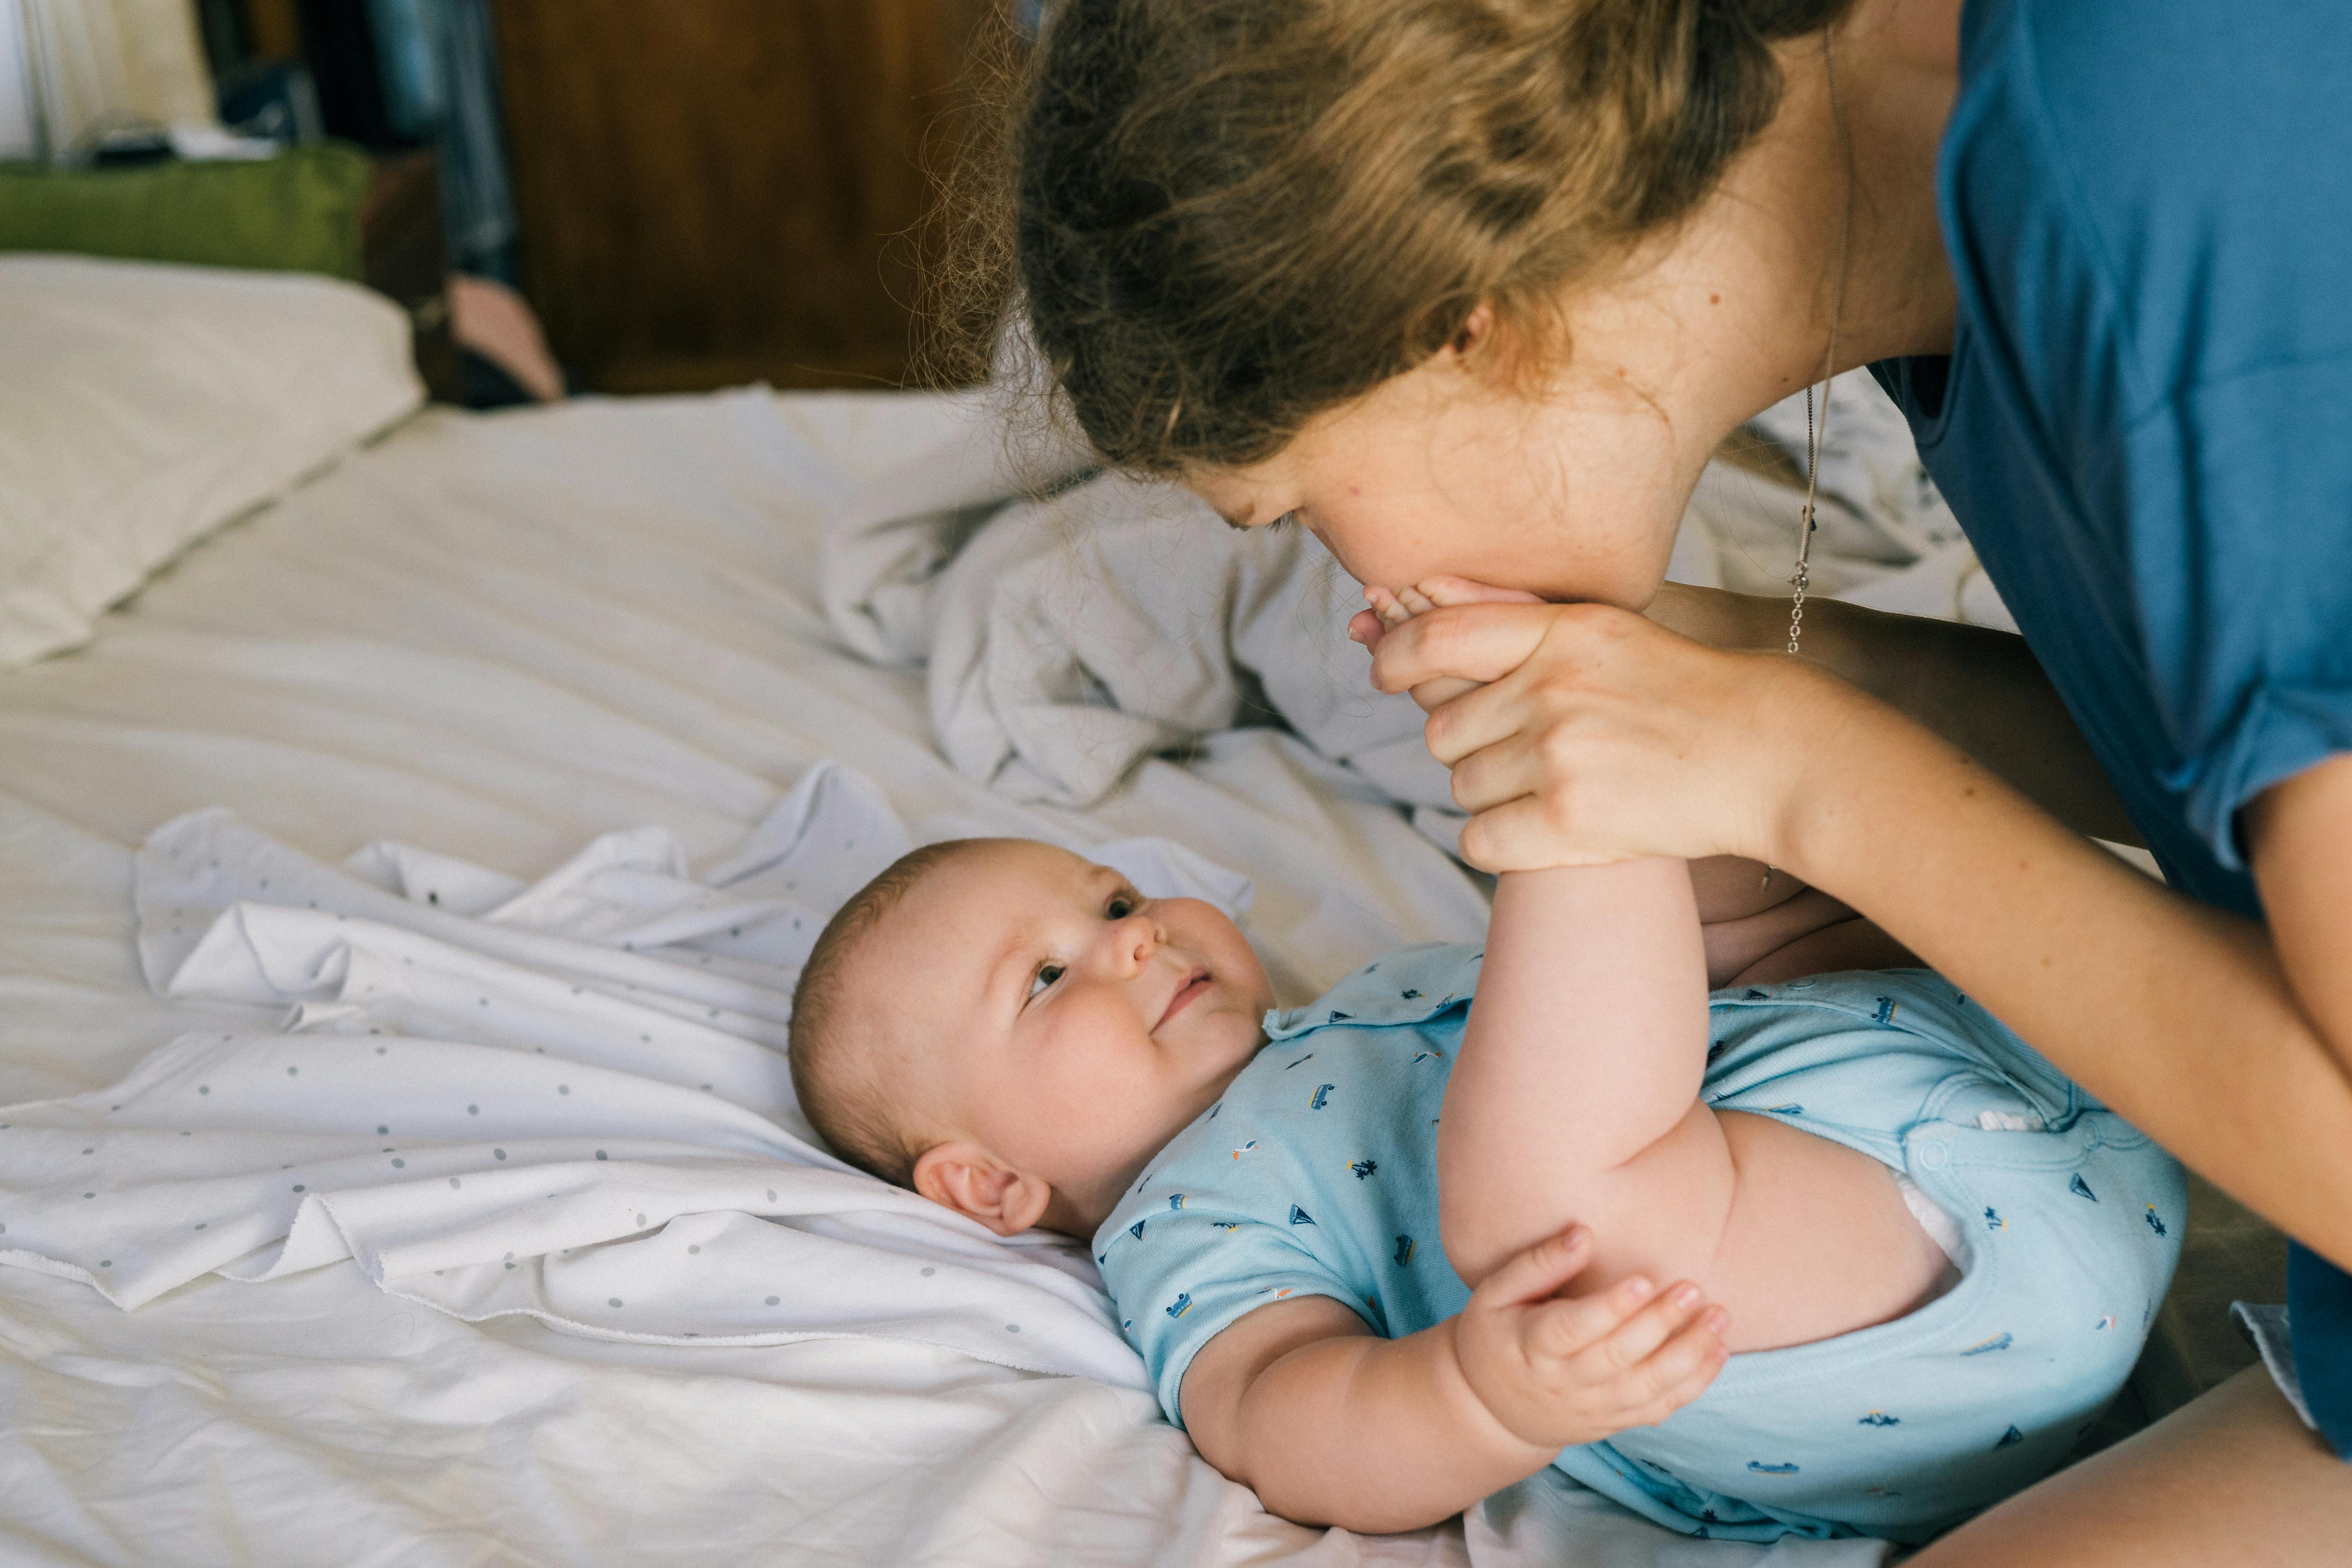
x: 143, y: 404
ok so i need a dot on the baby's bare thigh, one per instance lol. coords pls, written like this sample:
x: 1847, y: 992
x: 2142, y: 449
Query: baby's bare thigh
x: 1856, y: 943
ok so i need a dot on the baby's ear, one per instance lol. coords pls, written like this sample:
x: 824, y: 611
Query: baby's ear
x: 961, y: 1175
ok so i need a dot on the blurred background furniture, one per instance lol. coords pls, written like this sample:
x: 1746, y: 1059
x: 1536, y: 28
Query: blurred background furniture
x: 687, y: 193
x: 328, y: 209
x: 725, y: 190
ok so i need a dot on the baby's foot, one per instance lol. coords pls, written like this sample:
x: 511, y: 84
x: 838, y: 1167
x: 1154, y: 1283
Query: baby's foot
x: 1391, y: 610
x: 1444, y: 592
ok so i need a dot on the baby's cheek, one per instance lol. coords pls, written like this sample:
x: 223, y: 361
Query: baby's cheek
x: 1100, y: 1068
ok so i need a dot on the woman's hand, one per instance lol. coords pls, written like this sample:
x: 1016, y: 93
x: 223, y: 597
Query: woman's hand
x: 1594, y: 735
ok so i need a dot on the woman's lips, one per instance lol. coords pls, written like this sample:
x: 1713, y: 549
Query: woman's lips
x: 1195, y: 987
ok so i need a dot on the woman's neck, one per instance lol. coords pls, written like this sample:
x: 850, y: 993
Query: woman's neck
x: 1894, y: 65
x: 1826, y: 227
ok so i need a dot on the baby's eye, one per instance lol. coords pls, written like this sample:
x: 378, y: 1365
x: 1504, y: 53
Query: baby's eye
x: 1122, y: 905
x: 1047, y: 974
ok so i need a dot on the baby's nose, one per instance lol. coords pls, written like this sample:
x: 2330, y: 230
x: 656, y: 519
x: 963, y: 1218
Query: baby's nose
x: 1136, y: 940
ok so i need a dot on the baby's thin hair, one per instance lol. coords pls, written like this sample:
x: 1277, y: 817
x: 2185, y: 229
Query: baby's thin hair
x: 843, y: 1090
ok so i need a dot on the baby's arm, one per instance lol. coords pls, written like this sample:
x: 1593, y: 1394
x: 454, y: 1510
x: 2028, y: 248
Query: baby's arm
x: 1333, y: 1426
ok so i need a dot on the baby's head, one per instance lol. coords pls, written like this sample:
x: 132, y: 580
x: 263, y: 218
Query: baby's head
x: 1013, y: 1031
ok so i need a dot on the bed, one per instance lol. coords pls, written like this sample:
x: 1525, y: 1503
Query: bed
x: 490, y: 656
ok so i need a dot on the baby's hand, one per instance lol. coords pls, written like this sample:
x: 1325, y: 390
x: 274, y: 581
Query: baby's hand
x: 1559, y: 1372
x: 1391, y: 610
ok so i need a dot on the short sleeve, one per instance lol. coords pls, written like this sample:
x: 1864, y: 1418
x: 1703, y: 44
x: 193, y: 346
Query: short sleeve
x: 1182, y: 1278
x: 2145, y: 420
x: 2246, y: 601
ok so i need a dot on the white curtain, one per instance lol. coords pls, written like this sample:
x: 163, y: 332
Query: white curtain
x: 97, y: 63
x: 17, y: 137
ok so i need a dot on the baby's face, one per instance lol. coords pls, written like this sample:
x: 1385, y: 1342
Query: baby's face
x: 1064, y: 1023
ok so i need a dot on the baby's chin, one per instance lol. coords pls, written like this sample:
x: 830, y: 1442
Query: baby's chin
x: 1231, y: 1028
x: 1238, y: 1046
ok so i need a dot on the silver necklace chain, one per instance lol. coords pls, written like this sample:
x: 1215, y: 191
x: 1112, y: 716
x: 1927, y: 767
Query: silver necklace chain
x: 1816, y: 433
x: 1803, y: 577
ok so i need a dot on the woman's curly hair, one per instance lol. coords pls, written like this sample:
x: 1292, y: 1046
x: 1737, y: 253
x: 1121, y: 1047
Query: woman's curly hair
x: 1228, y: 215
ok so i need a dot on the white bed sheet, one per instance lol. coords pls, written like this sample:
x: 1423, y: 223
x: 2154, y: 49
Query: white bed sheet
x: 495, y: 638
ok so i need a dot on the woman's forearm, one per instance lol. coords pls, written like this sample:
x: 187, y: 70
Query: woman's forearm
x: 1982, y: 690
x: 2175, y: 1014
x: 1374, y: 1434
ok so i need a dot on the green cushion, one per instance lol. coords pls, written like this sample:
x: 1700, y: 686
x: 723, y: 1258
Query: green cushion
x: 298, y: 211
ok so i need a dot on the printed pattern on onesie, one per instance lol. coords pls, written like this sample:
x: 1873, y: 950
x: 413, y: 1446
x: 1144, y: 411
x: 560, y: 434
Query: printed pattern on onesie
x: 1315, y: 1174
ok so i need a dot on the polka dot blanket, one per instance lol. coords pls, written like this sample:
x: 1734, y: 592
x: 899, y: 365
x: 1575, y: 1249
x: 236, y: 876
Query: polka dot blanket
x: 568, y: 1100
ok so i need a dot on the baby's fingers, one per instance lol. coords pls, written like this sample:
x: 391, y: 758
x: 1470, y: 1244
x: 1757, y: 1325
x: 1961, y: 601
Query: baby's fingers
x: 1617, y: 1328
x: 1678, y: 1372
x: 1534, y: 1274
x: 1564, y: 1329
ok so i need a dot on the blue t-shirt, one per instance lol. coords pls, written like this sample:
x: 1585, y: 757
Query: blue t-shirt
x: 2146, y: 421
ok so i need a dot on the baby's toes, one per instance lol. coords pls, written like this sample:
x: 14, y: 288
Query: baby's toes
x: 1385, y: 605
x: 1443, y: 591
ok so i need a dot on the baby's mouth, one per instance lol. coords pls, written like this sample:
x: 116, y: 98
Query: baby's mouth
x: 1195, y: 985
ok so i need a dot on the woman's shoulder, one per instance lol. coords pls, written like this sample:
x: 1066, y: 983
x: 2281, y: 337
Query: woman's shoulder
x: 2141, y: 196
x: 2144, y: 100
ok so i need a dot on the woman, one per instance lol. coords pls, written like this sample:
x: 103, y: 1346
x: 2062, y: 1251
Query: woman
x: 1477, y: 286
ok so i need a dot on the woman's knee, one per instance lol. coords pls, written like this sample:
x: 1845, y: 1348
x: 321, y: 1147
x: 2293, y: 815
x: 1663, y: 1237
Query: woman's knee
x: 2233, y: 1477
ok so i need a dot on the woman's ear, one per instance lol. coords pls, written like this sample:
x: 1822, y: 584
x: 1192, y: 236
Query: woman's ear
x: 1476, y: 330
x: 965, y: 1177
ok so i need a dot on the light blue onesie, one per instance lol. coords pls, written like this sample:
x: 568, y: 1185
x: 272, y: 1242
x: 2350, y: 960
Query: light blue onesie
x: 1315, y: 1175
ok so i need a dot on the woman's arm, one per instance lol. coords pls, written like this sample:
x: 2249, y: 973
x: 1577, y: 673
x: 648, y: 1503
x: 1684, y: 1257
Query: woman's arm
x: 1982, y: 690
x: 1331, y: 1424
x: 2301, y: 835
x: 1599, y: 736
x: 2177, y: 1015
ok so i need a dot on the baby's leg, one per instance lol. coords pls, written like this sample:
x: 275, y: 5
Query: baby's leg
x: 1851, y: 942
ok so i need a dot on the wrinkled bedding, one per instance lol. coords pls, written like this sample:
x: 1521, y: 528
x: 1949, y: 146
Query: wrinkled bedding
x: 565, y: 669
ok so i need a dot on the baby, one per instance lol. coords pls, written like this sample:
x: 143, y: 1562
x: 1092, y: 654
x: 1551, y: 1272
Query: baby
x: 1341, y: 1236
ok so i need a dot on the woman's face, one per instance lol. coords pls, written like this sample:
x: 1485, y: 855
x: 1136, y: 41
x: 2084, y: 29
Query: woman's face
x: 1574, y: 494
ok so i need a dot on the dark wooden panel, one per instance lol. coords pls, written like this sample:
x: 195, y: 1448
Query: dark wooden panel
x: 712, y: 190
x: 271, y: 31
x: 401, y: 254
